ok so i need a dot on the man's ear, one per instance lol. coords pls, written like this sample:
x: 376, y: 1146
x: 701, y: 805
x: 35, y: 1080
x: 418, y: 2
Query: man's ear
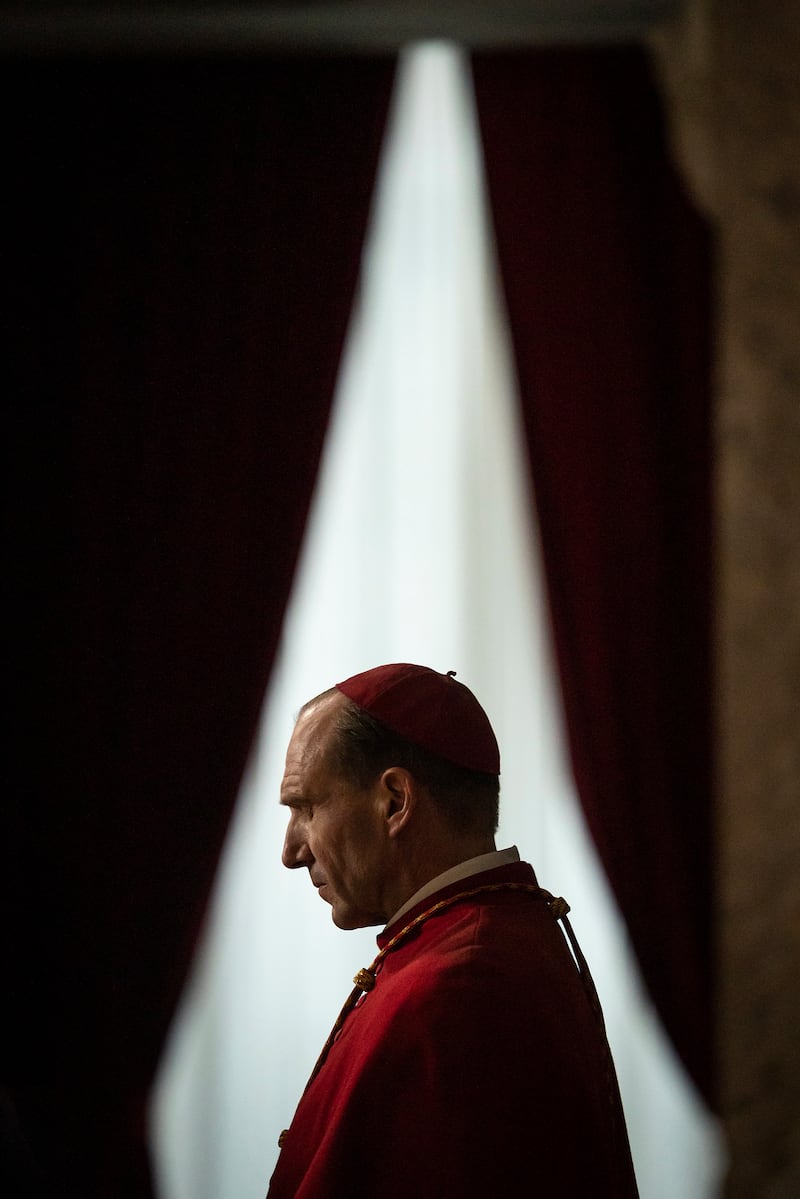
x: 400, y: 798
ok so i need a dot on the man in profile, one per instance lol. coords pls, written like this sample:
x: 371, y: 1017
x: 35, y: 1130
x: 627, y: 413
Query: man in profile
x: 470, y: 1060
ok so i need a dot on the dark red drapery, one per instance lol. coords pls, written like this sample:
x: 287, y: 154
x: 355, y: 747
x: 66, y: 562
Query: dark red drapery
x: 182, y: 244
x: 607, y: 269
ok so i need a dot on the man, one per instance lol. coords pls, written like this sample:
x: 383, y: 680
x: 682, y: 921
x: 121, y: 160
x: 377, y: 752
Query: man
x: 470, y: 1061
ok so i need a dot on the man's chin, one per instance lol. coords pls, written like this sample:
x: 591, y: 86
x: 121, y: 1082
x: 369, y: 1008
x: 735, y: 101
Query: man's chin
x: 348, y: 921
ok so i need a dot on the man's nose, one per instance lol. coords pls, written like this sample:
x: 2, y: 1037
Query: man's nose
x: 295, y: 852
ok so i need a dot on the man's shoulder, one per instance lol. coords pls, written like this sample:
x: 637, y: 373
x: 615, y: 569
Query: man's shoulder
x: 472, y: 891
x: 481, y: 926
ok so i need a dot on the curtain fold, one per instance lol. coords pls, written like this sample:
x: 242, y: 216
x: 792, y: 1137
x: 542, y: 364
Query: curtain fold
x: 607, y: 271
x: 182, y: 246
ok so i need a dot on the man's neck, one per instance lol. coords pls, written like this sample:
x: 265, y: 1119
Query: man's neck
x: 453, y: 874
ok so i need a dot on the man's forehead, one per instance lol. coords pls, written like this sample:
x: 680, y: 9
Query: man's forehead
x: 303, y: 760
x: 312, y: 731
x: 316, y: 718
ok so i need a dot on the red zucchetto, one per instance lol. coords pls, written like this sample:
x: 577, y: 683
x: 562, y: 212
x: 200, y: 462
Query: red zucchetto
x: 429, y: 709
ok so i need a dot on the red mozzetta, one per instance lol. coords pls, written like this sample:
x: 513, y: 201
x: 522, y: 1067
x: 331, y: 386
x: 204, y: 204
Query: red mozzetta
x: 478, y: 1033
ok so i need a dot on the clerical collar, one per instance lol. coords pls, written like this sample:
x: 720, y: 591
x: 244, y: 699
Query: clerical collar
x: 484, y: 861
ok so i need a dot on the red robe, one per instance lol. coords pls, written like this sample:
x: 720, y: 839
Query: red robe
x: 474, y: 1069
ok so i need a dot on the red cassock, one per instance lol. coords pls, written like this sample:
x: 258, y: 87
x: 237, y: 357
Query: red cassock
x: 475, y: 1067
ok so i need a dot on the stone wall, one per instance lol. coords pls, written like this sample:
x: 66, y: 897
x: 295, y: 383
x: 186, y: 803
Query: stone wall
x: 730, y: 70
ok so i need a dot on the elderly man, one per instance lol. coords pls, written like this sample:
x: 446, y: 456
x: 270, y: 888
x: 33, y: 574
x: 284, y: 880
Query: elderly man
x: 470, y: 1060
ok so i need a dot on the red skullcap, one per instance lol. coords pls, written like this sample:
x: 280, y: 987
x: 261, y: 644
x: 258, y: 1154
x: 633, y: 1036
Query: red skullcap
x: 429, y: 709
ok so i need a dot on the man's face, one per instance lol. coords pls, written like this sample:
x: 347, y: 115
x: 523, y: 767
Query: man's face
x: 335, y: 830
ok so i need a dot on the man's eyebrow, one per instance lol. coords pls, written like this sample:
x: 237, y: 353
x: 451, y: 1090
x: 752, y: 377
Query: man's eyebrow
x: 294, y: 801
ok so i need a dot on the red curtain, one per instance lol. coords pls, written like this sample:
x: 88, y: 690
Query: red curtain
x: 182, y: 245
x: 607, y: 270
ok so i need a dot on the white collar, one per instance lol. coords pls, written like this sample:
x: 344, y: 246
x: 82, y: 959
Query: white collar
x: 484, y: 861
